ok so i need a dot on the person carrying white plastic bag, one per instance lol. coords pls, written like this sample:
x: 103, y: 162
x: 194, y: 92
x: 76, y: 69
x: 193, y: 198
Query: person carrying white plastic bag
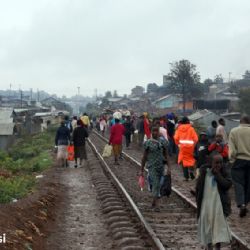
x: 107, y: 151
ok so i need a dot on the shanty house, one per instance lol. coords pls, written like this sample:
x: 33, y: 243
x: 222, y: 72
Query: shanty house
x: 6, y: 128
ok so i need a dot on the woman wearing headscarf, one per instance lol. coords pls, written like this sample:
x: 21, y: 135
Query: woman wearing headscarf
x: 213, y: 203
x: 156, y: 155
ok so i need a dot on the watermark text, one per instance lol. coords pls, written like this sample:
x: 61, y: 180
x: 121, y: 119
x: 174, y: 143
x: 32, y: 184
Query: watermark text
x: 2, y: 238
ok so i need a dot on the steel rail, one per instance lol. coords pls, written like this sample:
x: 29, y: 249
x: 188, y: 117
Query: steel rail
x: 182, y: 196
x: 156, y: 241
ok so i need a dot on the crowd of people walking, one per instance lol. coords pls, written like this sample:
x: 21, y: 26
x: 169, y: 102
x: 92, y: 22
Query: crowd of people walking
x: 220, y: 160
x: 72, y: 133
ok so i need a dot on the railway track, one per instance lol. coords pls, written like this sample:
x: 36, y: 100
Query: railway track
x: 175, y: 227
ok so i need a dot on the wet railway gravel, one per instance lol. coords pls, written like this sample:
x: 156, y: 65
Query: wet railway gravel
x: 240, y: 226
x: 176, y: 224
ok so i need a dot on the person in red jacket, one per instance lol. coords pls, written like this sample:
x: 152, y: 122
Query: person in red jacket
x: 186, y: 138
x: 116, y: 134
x: 219, y: 146
x: 146, y: 126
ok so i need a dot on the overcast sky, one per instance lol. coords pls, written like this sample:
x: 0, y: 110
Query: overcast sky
x: 117, y: 44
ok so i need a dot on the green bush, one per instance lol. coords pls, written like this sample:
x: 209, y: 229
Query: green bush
x: 15, y: 187
x: 30, y: 155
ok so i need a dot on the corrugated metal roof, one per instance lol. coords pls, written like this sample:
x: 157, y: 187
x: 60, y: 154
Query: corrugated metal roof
x: 6, y: 115
x: 166, y: 97
x: 20, y: 110
x: 162, y: 98
x: 199, y: 114
x: 43, y: 114
x: 6, y: 129
x: 115, y: 99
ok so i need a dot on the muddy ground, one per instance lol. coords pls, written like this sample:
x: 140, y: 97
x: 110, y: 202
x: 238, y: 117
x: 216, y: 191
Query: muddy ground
x: 62, y: 213
x: 27, y: 221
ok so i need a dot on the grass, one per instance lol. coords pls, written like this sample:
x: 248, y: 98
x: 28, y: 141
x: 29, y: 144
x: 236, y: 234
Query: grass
x: 20, y: 165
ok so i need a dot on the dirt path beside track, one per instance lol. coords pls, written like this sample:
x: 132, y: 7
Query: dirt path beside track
x: 79, y: 223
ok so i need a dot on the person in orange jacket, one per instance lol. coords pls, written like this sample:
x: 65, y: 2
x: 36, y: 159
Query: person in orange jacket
x: 186, y: 138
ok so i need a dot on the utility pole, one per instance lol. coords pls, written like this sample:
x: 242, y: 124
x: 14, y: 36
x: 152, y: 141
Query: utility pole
x: 229, y: 77
x: 96, y: 94
x: 31, y: 94
x: 78, y: 99
x: 10, y: 89
x: 21, y: 94
x: 38, y: 95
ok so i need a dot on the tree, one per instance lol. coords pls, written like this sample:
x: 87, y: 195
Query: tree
x: 246, y: 76
x: 185, y: 80
x: 105, y: 102
x: 108, y: 94
x: 207, y: 84
x: 115, y: 94
x: 244, y: 103
x: 152, y: 87
x: 218, y: 79
x: 137, y: 91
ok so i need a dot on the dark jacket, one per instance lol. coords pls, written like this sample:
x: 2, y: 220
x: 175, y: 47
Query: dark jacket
x: 224, y: 182
x: 201, y: 153
x: 128, y: 127
x: 140, y: 126
x: 62, y: 136
x: 170, y: 129
x: 79, y: 135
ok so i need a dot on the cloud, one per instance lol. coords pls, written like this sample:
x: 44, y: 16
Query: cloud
x: 106, y: 45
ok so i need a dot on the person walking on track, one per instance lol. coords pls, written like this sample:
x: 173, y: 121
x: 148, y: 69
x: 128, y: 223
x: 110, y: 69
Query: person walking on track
x: 156, y: 155
x: 128, y: 130
x: 74, y: 122
x: 85, y: 120
x: 80, y: 134
x: 62, y: 140
x: 116, y: 134
x: 141, y: 132
x: 186, y: 138
x: 211, y: 131
x: 103, y: 125
x: 213, y: 203
x: 146, y: 126
x: 220, y: 130
x: 239, y: 154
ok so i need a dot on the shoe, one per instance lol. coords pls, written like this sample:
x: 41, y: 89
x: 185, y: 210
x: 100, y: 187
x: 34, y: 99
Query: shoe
x: 192, y: 176
x: 186, y: 179
x: 243, y: 211
x: 117, y: 163
x: 75, y: 165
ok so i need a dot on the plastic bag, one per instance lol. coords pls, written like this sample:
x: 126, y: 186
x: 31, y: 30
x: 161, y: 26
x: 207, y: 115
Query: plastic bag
x: 71, y: 153
x: 141, y: 182
x: 107, y: 151
x: 117, y: 115
x: 166, y: 185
